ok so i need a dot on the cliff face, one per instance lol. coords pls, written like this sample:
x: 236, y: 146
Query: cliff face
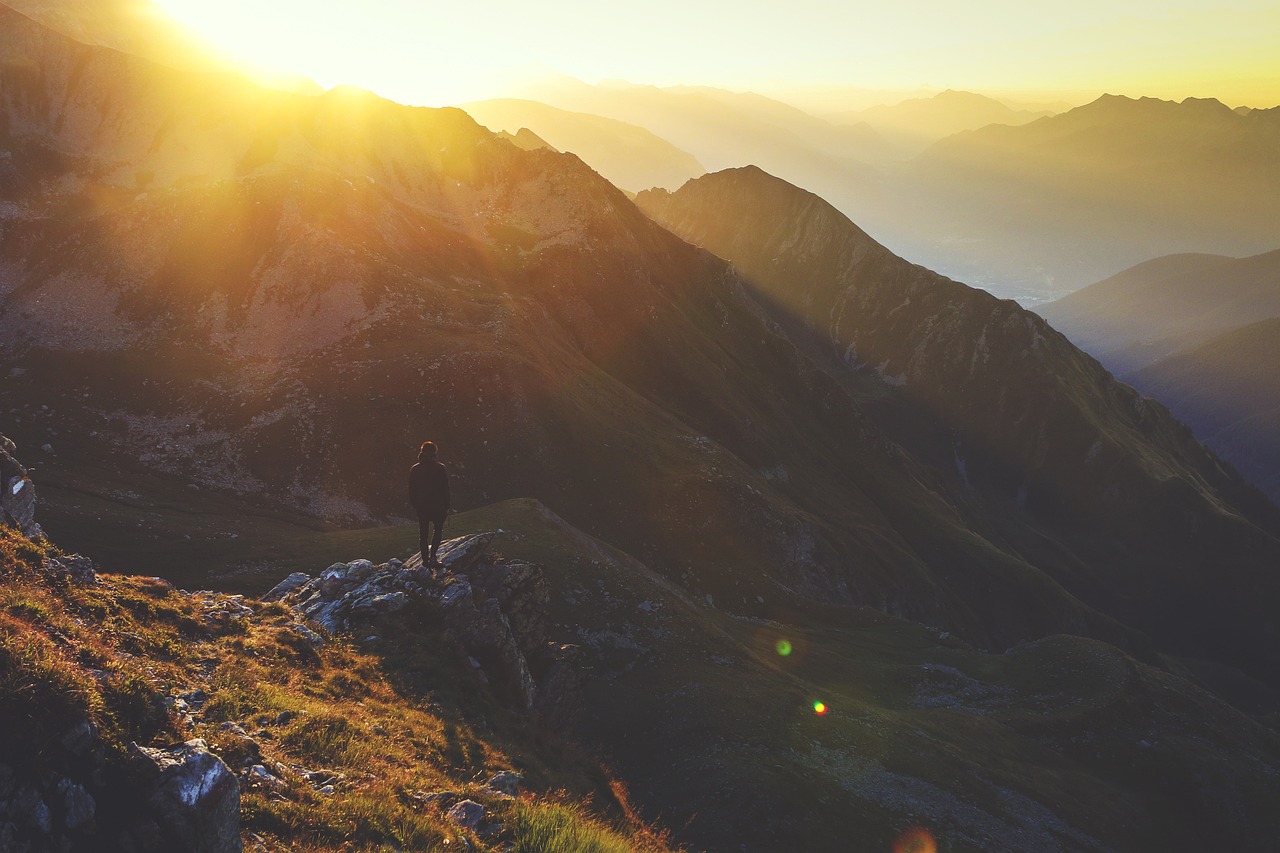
x: 1035, y: 437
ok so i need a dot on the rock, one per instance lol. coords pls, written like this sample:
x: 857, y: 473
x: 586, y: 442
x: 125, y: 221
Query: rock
x: 194, y: 797
x: 284, y: 717
x: 558, y: 701
x: 506, y: 782
x: 286, y: 586
x: 77, y: 805
x: 74, y: 567
x: 379, y: 603
x: 80, y: 738
x: 467, y: 814
x: 312, y: 639
x: 443, y: 799
x: 456, y: 595
x: 17, y: 493
x: 262, y: 776
x: 29, y: 809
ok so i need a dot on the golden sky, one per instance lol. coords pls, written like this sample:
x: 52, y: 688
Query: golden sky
x: 445, y: 53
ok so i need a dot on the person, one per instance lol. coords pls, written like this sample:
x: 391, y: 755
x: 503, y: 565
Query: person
x: 429, y: 494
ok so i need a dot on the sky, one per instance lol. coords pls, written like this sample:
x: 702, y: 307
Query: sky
x: 437, y: 54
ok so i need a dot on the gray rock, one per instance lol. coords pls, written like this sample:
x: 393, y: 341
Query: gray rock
x: 80, y: 738
x: 456, y: 595
x: 313, y: 639
x: 30, y: 809
x: 467, y: 813
x: 506, y: 782
x: 194, y: 799
x: 78, y: 805
x: 286, y: 586
x: 74, y: 567
x: 387, y: 602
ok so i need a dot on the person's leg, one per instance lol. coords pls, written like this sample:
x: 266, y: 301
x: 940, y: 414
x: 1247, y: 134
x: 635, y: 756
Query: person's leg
x: 439, y: 536
x: 424, y: 537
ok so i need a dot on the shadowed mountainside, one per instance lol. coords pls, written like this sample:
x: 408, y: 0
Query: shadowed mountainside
x: 1041, y: 442
x: 1167, y: 304
x: 1228, y: 391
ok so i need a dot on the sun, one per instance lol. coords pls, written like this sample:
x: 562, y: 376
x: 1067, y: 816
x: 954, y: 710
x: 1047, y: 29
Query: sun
x: 400, y: 50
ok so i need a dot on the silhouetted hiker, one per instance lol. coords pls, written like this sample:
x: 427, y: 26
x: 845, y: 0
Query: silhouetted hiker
x: 429, y: 494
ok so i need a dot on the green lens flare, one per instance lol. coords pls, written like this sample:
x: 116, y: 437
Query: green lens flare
x: 783, y: 647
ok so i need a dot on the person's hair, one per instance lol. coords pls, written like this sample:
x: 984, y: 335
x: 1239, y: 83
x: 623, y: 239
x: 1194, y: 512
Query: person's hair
x: 427, y: 450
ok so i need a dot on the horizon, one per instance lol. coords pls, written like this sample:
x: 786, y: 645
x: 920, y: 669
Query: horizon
x: 824, y: 60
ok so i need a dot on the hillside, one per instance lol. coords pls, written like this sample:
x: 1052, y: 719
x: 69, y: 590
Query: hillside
x: 1165, y: 305
x: 1104, y: 186
x: 1035, y: 441
x: 140, y: 717
x: 378, y: 734
x: 630, y: 157
x: 1227, y: 391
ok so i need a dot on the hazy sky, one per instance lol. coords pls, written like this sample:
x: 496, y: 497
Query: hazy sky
x: 433, y: 53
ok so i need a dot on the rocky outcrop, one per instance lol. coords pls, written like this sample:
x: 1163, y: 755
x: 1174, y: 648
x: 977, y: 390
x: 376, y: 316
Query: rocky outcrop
x: 192, y: 799
x: 17, y: 493
x: 181, y: 798
x: 494, y: 608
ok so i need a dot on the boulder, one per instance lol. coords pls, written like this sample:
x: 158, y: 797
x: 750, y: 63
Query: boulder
x: 194, y: 797
x: 74, y: 567
x: 286, y: 586
x: 467, y: 814
x: 506, y: 782
x: 17, y: 492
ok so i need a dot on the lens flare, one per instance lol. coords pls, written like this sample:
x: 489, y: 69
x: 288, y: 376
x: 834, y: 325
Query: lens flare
x: 783, y: 647
x: 917, y: 839
x: 819, y: 708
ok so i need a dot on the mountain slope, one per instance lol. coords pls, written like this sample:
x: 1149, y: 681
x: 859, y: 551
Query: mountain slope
x: 916, y: 123
x: 1128, y: 179
x: 313, y: 286
x: 1165, y: 305
x: 629, y: 156
x: 1034, y: 428
x: 1227, y: 391
x: 727, y: 129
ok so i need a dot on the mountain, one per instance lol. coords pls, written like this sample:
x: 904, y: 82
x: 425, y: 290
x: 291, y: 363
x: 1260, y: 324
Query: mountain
x: 988, y: 390
x: 1165, y: 305
x: 723, y: 129
x: 1079, y: 195
x: 1227, y: 391
x: 215, y: 296
x: 629, y: 156
x: 916, y: 123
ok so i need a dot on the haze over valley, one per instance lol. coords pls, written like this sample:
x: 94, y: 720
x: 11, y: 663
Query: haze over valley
x: 824, y: 468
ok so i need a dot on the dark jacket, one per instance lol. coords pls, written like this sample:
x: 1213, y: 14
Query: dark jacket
x: 429, y: 488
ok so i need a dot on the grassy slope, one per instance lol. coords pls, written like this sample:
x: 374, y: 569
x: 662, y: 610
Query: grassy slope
x: 1053, y: 744
x: 1061, y: 743
x: 403, y: 718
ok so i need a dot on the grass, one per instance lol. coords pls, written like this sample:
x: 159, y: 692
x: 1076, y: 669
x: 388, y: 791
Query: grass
x: 384, y: 729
